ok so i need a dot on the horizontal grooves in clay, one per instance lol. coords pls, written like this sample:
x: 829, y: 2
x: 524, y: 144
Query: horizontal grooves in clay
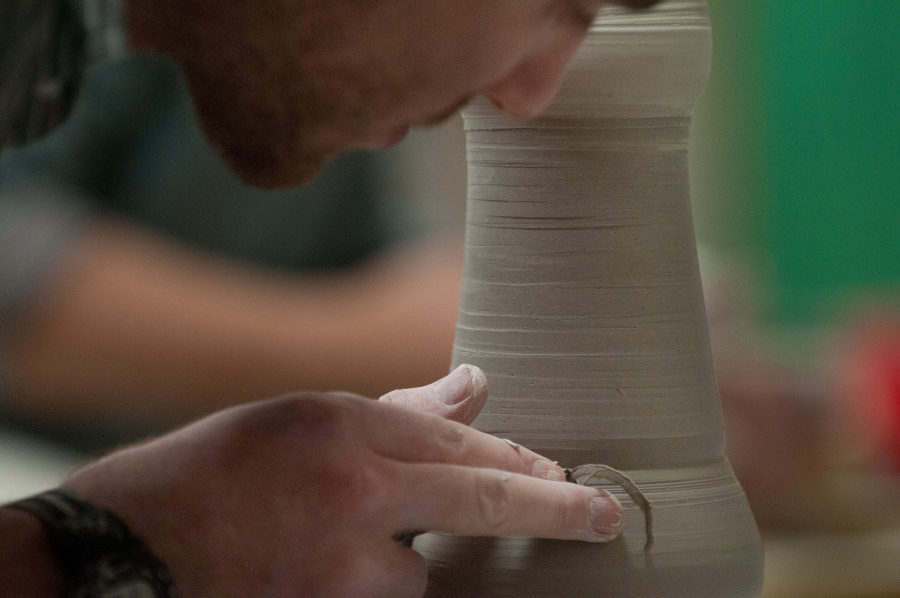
x: 581, y: 301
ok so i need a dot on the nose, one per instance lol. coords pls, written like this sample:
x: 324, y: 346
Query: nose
x: 528, y: 89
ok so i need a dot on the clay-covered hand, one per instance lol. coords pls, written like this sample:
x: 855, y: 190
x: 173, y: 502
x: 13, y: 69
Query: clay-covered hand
x: 301, y: 495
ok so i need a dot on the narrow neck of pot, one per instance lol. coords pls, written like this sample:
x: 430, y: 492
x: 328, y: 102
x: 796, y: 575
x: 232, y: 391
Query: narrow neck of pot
x: 581, y: 296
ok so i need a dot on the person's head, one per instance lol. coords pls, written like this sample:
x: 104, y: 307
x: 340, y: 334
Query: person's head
x: 282, y: 86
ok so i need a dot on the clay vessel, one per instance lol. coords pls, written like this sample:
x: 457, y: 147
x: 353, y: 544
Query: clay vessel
x: 581, y: 301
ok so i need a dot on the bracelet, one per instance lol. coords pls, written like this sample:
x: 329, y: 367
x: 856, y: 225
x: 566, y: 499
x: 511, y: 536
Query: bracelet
x: 95, y: 551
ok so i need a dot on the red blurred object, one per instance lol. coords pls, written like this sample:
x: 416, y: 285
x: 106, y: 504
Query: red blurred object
x: 872, y: 395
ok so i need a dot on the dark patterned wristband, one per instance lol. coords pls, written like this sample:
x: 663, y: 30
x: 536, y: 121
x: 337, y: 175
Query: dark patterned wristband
x: 97, y: 554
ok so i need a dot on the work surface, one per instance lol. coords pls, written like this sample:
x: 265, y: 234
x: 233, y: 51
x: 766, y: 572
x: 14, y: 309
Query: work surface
x: 29, y: 465
x: 850, y: 546
x: 838, y: 563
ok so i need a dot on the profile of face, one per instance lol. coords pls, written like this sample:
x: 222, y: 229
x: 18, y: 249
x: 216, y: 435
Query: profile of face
x: 282, y: 86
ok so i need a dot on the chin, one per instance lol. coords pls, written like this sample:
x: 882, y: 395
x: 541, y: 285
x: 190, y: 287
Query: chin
x: 265, y: 160
x: 264, y: 146
x: 267, y: 172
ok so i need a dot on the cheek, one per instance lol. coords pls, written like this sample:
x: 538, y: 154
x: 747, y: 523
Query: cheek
x: 538, y: 51
x: 480, y: 45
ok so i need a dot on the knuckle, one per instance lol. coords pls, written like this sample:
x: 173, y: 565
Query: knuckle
x: 495, y: 498
x: 571, y: 512
x: 361, y: 492
x: 450, y: 440
x: 409, y: 399
x: 293, y: 424
x: 337, y: 471
x: 318, y: 415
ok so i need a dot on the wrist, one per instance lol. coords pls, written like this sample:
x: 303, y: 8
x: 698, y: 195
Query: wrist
x: 93, y: 551
x: 28, y: 568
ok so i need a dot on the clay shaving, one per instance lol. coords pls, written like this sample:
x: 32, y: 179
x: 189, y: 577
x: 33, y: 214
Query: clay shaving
x: 584, y: 473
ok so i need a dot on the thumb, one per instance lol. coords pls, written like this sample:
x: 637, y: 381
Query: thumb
x: 458, y: 396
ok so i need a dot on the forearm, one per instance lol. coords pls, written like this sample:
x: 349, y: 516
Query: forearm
x: 140, y: 325
x: 27, y: 566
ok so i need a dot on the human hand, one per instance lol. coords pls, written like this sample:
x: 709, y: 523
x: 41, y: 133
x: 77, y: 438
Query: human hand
x: 301, y: 495
x: 459, y: 396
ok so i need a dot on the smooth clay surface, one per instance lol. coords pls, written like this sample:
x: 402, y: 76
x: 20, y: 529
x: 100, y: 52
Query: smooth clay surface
x: 581, y: 301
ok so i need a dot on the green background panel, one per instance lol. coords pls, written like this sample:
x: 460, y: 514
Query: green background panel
x: 797, y: 154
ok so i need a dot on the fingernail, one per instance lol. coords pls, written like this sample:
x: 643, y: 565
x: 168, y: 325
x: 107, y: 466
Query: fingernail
x: 547, y: 470
x: 606, y: 516
x: 455, y: 387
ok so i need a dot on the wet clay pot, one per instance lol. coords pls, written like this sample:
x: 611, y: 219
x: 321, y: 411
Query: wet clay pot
x: 581, y: 301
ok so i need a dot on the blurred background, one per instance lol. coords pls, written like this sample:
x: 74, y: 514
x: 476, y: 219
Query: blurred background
x: 796, y: 184
x: 796, y: 187
x: 142, y: 285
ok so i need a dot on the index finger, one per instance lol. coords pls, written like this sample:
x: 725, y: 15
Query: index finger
x: 413, y: 437
x: 469, y: 501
